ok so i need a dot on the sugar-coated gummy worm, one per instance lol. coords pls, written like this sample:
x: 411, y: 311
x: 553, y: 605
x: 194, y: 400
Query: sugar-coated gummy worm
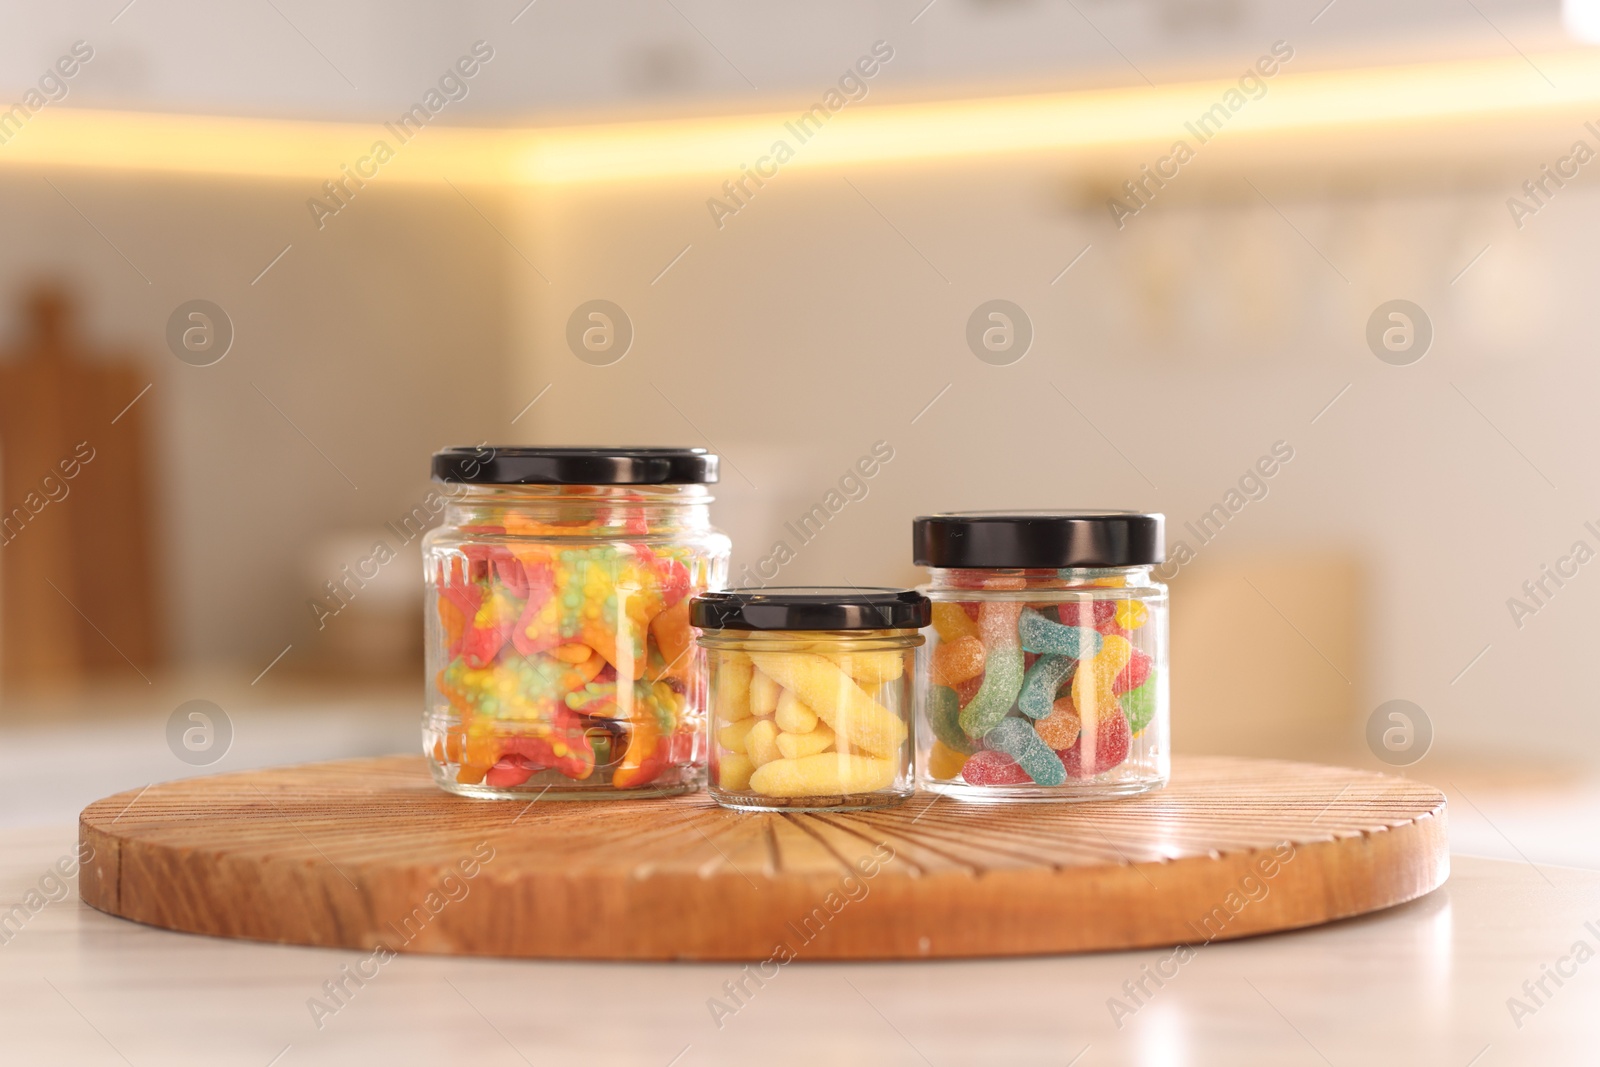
x: 1059, y: 729
x: 1040, y: 684
x: 860, y: 722
x: 944, y: 716
x: 1002, y: 679
x: 1140, y: 705
x: 1092, y: 695
x: 825, y: 774
x: 1039, y: 634
x: 1016, y: 738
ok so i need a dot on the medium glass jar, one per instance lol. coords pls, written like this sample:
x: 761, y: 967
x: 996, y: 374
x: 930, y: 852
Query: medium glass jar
x: 1047, y: 668
x: 811, y: 695
x: 560, y: 663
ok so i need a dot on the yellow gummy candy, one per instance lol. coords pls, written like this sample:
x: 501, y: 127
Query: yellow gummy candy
x: 793, y: 746
x: 952, y: 622
x: 792, y: 716
x: 1131, y: 614
x: 733, y: 770
x: 733, y: 685
x: 763, y: 695
x: 825, y: 774
x: 944, y: 762
x: 762, y: 742
x: 871, y: 668
x: 733, y: 735
x: 861, y: 722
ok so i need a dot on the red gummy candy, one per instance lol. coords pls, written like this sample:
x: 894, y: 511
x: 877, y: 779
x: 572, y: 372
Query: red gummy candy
x: 968, y: 689
x: 993, y: 768
x: 508, y: 772
x: 1103, y: 612
x: 1112, y: 738
x: 1133, y: 675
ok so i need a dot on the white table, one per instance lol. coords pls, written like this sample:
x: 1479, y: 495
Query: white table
x: 1425, y: 983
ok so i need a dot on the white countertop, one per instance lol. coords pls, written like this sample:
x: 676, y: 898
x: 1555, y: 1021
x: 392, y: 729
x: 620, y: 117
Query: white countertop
x: 1424, y: 983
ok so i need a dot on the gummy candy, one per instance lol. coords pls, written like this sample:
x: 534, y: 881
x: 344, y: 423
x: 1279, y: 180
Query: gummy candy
x: 1140, y: 706
x: 1059, y: 729
x: 1016, y: 738
x: 1091, y: 690
x: 945, y: 762
x: 944, y: 711
x: 952, y: 622
x: 823, y: 774
x: 811, y: 730
x: 861, y: 722
x: 566, y: 658
x: 1002, y: 680
x: 1134, y: 674
x: 793, y: 717
x: 956, y: 661
x: 993, y: 768
x: 1040, y: 684
x: 1039, y: 634
x: 1131, y: 614
x: 1112, y: 738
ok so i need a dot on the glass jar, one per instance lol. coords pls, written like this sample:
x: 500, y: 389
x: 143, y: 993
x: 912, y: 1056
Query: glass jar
x: 1047, y: 668
x: 560, y: 662
x: 811, y: 695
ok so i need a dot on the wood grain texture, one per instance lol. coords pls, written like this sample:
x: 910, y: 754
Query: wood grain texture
x: 368, y: 853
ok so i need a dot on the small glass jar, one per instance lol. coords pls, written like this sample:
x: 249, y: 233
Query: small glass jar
x: 560, y: 662
x: 811, y: 695
x: 1047, y: 668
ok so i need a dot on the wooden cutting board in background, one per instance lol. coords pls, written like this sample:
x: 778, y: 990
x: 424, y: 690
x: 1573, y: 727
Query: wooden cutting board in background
x: 78, y: 593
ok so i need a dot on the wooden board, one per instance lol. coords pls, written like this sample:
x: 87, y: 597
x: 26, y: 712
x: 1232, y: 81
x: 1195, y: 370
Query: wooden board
x: 369, y: 853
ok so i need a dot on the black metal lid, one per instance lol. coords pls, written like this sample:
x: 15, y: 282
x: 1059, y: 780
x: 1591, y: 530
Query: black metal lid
x: 1020, y: 539
x: 494, y: 465
x: 811, y: 608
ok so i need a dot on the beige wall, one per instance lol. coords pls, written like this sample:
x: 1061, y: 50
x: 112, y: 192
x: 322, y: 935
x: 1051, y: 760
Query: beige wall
x: 1207, y: 330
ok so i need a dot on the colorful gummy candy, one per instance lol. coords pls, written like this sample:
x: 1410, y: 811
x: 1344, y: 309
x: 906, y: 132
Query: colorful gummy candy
x: 1037, y: 694
x: 806, y: 724
x: 567, y: 660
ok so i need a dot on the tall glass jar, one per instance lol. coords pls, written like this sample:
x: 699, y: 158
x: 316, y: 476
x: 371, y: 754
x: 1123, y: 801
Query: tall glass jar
x: 1047, y: 672
x: 560, y: 663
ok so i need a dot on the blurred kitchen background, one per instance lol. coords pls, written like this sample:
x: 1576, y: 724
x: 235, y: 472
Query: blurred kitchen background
x: 362, y: 308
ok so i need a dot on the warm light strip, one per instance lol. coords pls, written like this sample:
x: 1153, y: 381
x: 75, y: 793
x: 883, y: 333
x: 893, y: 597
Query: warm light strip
x: 1443, y: 94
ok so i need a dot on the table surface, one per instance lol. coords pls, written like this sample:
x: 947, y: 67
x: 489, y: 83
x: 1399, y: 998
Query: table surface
x: 1424, y: 983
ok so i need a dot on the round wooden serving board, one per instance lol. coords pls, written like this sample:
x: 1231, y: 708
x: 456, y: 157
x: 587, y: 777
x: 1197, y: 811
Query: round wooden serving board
x: 369, y: 853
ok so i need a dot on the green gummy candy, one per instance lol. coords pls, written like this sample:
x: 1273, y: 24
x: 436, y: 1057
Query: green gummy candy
x: 1041, y: 683
x: 1040, y: 635
x: 1139, y: 705
x: 1017, y: 739
x: 944, y: 716
x: 1002, y: 679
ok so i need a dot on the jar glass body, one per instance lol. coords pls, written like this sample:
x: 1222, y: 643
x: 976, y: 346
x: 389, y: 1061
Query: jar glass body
x: 811, y: 720
x: 1045, y: 684
x: 560, y: 662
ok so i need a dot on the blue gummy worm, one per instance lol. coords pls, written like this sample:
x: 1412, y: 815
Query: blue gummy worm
x: 1041, y: 683
x: 1016, y: 739
x: 1002, y: 678
x: 1039, y: 634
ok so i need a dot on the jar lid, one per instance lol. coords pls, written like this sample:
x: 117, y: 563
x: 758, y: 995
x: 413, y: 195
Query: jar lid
x: 519, y: 465
x: 1020, y: 539
x: 811, y: 608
